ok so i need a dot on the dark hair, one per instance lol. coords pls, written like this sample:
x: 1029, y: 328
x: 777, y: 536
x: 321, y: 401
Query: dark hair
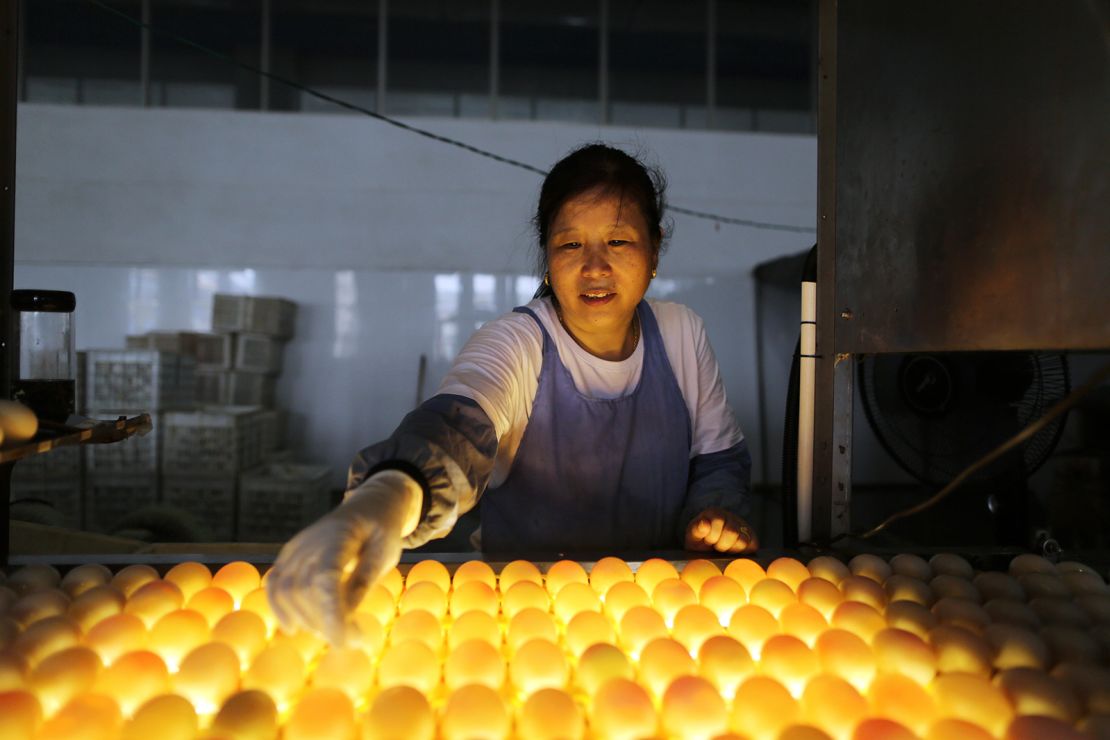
x: 614, y: 171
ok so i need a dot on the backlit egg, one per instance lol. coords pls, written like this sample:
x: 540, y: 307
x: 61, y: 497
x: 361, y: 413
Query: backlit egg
x: 116, y: 635
x: 550, y: 714
x: 93, y: 605
x: 753, y: 625
x: 973, y: 699
x: 80, y: 579
x: 347, y: 669
x: 153, y: 600
x: 242, y: 631
x: 238, y: 578
x: 474, y: 570
x: 693, y: 625
x: 639, y: 626
x: 821, y: 594
x: 516, y: 571
x: 562, y: 573
x: 474, y: 661
x: 321, y: 714
x: 64, y: 675
x: 133, y: 679
x: 424, y: 595
x: 761, y: 708
x: 208, y: 675
x: 247, y: 714
x: 599, y: 663
x: 789, y: 661
x: 841, y: 653
x: 899, y: 651
x: 573, y: 599
x: 910, y: 616
x: 172, y: 636
x: 661, y: 661
x: 948, y: 563
x: 802, y: 621
x: 829, y: 569
x: 212, y: 603
x: 609, y: 571
x: 46, y: 637
x: 1032, y: 691
x: 474, y: 626
x: 959, y: 651
x: 912, y: 566
x: 902, y: 700
x: 409, y: 663
x: 670, y: 595
x: 400, y: 713
x: 473, y: 595
x: 587, y: 628
x: 697, y: 572
x: 475, y: 712
x: 623, y: 710
x: 418, y: 625
x: 428, y: 571
x: 524, y: 595
x: 167, y: 717
x: 189, y: 577
x: 773, y: 595
x: 788, y: 570
x: 746, y: 572
x: 833, y: 704
x: 279, y: 670
x: 693, y: 708
x: 90, y: 715
x: 722, y: 596
x: 622, y: 597
x: 129, y: 579
x: 725, y: 663
x: 652, y: 571
x: 530, y: 624
x: 538, y: 664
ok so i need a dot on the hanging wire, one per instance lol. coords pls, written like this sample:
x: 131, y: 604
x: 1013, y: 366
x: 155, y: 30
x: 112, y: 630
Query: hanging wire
x: 764, y: 225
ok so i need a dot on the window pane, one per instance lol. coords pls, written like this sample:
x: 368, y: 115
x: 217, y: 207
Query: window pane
x: 657, y: 59
x: 185, y: 76
x: 75, y: 52
x: 549, y: 60
x: 438, y: 51
x: 330, y: 47
x: 764, y: 64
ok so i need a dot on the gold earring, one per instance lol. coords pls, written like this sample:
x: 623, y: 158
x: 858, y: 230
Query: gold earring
x: 653, y: 274
x: 547, y: 279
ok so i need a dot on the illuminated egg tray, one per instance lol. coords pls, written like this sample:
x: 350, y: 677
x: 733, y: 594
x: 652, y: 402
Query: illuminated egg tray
x: 868, y: 650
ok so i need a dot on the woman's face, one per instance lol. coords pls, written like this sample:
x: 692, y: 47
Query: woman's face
x: 600, y: 255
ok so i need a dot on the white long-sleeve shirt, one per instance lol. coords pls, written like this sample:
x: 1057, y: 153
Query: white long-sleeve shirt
x: 499, y: 369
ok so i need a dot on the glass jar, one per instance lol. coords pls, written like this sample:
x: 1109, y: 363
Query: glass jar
x: 47, y: 376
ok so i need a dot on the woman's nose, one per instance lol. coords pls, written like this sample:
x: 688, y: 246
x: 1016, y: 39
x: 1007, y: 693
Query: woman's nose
x: 595, y: 259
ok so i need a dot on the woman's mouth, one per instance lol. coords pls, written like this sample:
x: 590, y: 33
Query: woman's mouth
x: 597, y: 297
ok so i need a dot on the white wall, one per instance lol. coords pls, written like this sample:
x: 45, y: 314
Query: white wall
x: 144, y: 214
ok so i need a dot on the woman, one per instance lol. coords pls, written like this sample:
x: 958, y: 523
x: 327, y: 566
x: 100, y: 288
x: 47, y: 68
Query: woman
x: 589, y: 419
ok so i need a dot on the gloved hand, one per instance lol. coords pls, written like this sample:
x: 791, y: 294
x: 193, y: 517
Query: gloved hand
x: 720, y: 530
x: 321, y: 575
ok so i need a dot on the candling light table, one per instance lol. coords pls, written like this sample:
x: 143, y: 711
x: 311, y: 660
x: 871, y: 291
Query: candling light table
x: 764, y: 649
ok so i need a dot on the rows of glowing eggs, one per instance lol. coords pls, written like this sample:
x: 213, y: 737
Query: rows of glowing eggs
x: 902, y: 648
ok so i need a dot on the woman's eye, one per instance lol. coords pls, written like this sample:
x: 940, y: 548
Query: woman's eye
x: 618, y: 242
x: 571, y: 245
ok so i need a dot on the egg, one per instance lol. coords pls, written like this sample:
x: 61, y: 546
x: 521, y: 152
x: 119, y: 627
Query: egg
x: 947, y: 563
x: 661, y: 661
x: 959, y: 651
x: 1037, y: 727
x: 903, y: 700
x: 37, y: 605
x: 1008, y: 611
x: 474, y: 661
x: 113, y: 636
x: 538, y: 664
x: 623, y: 596
x: 905, y: 588
x: 789, y: 661
x: 321, y: 714
x: 474, y: 570
x: 379, y: 603
x: 345, y: 668
x: 821, y: 594
x: 973, y: 699
x: 870, y: 566
x: 722, y: 596
x: 517, y: 571
x: 242, y: 631
x: 524, y: 595
x: 473, y: 596
x: 93, y: 605
x: 725, y: 663
x: 89, y: 715
x: 17, y: 422
x: 393, y: 582
x: 841, y: 653
x: 608, y: 572
x: 562, y: 573
x: 773, y: 595
x: 153, y: 600
x: 134, y: 678
x: 189, y: 577
x: 13, y: 671
x: 256, y: 602
x: 46, y: 637
x: 789, y: 571
x: 950, y: 586
x: 400, y: 713
x: 475, y: 712
x: 877, y: 728
x: 1030, y: 563
x: 1032, y: 691
x: 425, y: 595
x: 623, y: 710
x: 910, y: 616
x: 762, y: 708
x: 639, y: 626
x: 474, y: 625
x: 696, y: 572
x: 573, y: 599
x: 1060, y: 611
x: 802, y: 621
x: 961, y: 613
x: 1044, y: 584
x: 550, y: 714
x: 587, y: 628
x: 167, y: 717
x: 34, y: 577
x: 129, y: 579
x: 746, y: 572
x: 753, y: 625
x: 692, y: 708
x: 828, y: 569
x: 238, y: 578
x: 173, y: 636
x: 994, y: 585
x: 670, y: 595
x: 409, y: 663
x: 912, y: 566
x: 249, y: 714
x: 64, y: 675
x: 428, y: 571
x: 1017, y: 647
x: 212, y: 603
x: 693, y: 625
x: 899, y: 651
x: 652, y: 571
x: 530, y: 624
x: 1071, y: 644
x: 858, y: 618
x: 599, y: 663
x: 80, y: 579
x: 418, y: 625
x: 833, y: 704
x: 279, y: 671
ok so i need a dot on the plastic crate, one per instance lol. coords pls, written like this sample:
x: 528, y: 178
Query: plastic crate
x: 212, y: 441
x: 258, y: 353
x: 178, y: 342
x: 136, y: 454
x: 210, y: 499
x: 139, y: 379
x: 250, y: 389
x: 109, y: 497
x: 215, y: 351
x: 276, y: 501
x: 211, y: 387
x: 61, y: 495
x: 274, y: 423
x: 253, y: 314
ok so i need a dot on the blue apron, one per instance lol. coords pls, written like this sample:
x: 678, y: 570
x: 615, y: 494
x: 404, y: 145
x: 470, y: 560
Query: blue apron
x: 596, y: 474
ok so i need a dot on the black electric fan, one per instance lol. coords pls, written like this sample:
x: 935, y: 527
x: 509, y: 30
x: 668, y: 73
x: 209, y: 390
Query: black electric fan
x: 936, y: 414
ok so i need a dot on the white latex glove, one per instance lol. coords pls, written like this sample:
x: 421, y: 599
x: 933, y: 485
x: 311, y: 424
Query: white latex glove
x: 321, y: 575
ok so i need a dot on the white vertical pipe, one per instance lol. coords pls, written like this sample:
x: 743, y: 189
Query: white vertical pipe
x: 807, y: 366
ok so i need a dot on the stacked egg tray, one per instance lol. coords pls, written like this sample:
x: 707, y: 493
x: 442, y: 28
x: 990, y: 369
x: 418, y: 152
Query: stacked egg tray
x: 872, y: 649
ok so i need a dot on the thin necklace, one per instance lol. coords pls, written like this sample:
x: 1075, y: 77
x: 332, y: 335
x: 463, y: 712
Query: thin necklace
x: 635, y: 327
